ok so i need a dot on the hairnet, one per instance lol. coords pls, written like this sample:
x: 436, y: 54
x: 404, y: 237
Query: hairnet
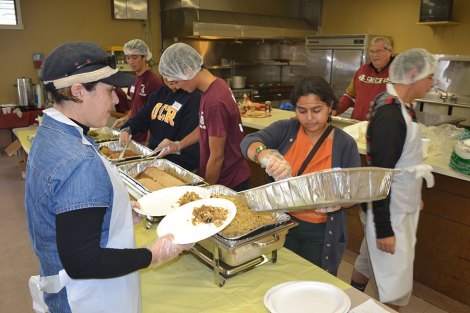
x: 180, y: 62
x: 137, y: 47
x: 411, y: 66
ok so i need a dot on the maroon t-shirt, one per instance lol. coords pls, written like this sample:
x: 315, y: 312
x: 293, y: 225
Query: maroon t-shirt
x: 139, y: 93
x: 218, y: 117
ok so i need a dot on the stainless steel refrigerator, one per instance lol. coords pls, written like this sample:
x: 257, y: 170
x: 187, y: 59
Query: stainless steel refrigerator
x: 337, y: 58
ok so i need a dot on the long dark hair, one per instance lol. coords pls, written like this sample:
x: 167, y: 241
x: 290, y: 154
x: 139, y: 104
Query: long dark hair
x: 314, y: 85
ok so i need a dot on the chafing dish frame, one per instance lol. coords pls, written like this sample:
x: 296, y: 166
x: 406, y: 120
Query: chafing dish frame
x: 218, y: 247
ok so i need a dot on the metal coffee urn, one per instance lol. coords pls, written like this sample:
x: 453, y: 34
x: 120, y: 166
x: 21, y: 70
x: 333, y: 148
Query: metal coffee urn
x: 25, y: 92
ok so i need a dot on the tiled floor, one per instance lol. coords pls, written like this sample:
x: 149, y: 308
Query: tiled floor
x: 18, y: 262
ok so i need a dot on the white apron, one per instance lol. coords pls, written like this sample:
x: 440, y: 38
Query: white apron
x: 120, y: 294
x: 394, y: 273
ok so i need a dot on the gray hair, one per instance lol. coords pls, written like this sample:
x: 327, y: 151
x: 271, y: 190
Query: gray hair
x: 385, y: 40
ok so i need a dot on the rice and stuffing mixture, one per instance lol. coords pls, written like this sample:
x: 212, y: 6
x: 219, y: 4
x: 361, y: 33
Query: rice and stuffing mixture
x: 209, y: 214
x: 189, y: 196
x: 245, y: 220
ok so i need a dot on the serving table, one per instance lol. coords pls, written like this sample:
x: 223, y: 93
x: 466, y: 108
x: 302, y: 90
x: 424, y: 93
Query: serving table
x: 443, y: 239
x: 187, y: 285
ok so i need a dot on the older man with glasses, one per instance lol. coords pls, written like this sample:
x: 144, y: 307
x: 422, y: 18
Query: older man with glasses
x: 369, y: 80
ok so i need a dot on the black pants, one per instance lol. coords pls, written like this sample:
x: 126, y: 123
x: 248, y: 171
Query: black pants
x: 307, y: 240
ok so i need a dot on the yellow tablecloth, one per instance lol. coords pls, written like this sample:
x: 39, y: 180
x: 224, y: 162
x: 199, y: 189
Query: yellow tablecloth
x: 187, y: 285
x: 22, y: 134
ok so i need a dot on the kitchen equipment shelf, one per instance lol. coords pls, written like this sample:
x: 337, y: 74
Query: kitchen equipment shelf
x: 259, y: 63
x: 441, y: 23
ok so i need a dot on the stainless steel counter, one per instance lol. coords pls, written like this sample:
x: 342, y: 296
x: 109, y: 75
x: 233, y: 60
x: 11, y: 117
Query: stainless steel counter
x: 430, y: 119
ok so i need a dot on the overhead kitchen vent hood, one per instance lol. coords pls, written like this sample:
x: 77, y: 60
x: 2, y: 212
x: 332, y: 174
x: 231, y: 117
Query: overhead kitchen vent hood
x: 194, y: 22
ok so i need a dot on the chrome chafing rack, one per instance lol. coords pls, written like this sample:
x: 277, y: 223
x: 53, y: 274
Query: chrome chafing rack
x: 228, y: 257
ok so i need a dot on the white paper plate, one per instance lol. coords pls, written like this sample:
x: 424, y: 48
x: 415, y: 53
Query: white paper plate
x: 178, y: 222
x: 306, y: 297
x: 163, y: 201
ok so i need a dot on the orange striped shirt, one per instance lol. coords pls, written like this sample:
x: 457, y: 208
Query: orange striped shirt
x: 322, y: 160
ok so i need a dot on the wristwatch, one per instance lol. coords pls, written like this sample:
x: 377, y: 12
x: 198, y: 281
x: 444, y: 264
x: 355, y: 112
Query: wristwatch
x: 257, y: 152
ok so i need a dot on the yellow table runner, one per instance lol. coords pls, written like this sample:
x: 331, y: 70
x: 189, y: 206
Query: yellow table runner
x: 187, y: 285
x: 22, y: 134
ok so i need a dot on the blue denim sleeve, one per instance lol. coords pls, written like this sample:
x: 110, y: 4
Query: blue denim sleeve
x: 82, y: 182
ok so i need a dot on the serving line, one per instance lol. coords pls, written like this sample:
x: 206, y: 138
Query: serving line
x: 187, y: 285
x: 439, y: 166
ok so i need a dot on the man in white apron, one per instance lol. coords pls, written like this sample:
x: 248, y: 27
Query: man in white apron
x: 394, y: 141
x: 78, y: 211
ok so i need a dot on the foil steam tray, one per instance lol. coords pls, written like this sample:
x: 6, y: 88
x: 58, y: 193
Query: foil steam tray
x: 103, y: 134
x: 324, y: 188
x: 131, y: 169
x: 281, y: 219
x: 141, y: 150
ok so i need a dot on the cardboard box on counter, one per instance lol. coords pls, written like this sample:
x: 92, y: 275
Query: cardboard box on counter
x: 13, y: 148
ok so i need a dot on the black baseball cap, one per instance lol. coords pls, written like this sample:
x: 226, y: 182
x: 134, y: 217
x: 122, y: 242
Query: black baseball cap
x: 81, y: 62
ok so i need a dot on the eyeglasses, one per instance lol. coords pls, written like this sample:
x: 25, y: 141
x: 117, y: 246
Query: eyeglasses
x: 378, y: 51
x: 109, y: 61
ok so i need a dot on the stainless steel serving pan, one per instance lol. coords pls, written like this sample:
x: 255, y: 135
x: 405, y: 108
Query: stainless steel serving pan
x: 280, y: 218
x: 141, y: 150
x: 131, y: 169
x: 103, y: 134
x: 255, y: 243
x: 323, y: 188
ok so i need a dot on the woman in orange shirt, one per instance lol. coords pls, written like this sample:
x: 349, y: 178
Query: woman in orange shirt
x: 283, y: 147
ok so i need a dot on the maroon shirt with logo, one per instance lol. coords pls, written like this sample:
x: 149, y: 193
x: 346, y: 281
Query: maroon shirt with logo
x: 218, y: 117
x: 139, y: 93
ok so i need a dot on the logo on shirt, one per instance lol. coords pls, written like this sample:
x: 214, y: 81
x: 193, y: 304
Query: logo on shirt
x: 373, y: 80
x: 142, y: 90
x: 201, y: 121
x: 165, y: 113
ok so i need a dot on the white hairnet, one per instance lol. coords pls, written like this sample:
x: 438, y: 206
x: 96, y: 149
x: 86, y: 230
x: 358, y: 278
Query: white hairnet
x: 137, y: 47
x: 411, y: 66
x: 180, y: 62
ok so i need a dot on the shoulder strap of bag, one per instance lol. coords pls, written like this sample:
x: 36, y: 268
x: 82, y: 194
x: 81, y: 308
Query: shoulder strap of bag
x: 315, y: 149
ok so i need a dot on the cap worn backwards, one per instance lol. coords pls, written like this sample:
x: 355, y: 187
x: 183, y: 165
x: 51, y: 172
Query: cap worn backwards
x: 81, y: 62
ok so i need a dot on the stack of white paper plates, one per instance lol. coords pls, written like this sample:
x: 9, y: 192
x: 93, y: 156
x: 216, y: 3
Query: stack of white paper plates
x: 306, y: 297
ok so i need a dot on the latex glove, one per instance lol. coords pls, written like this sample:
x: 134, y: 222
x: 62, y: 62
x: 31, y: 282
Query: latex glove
x: 173, y: 147
x: 136, y: 217
x: 119, y: 122
x: 328, y: 209
x: 124, y: 138
x: 163, y: 249
x: 276, y: 166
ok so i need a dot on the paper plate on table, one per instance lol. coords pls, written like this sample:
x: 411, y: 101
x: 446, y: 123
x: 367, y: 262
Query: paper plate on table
x: 163, y: 201
x: 179, y: 222
x: 306, y: 297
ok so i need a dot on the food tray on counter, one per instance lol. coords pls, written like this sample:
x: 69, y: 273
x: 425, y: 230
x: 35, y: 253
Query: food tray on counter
x: 324, y: 188
x: 131, y: 169
x: 103, y: 134
x: 141, y: 150
x: 280, y: 219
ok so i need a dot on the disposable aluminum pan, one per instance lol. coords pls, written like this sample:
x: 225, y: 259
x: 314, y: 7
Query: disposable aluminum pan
x: 281, y: 219
x: 103, y: 134
x: 132, y: 169
x: 323, y: 188
x: 141, y: 150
